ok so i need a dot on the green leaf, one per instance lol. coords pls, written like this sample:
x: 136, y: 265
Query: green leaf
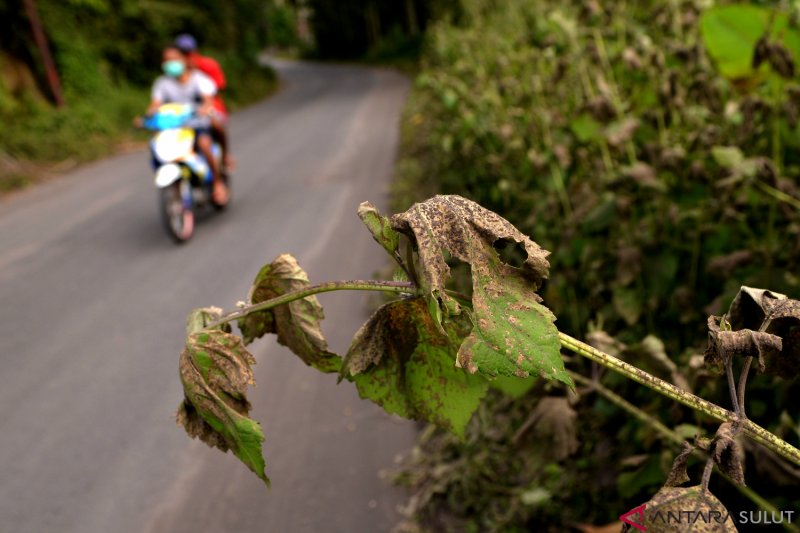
x: 510, y: 322
x: 513, y: 334
x: 297, y: 323
x: 513, y: 386
x: 401, y: 361
x: 586, y: 128
x: 215, y: 370
x: 730, y: 34
x: 628, y: 303
x: 727, y: 156
x: 380, y: 228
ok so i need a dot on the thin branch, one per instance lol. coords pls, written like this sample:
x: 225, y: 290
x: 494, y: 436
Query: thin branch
x: 752, y: 430
x: 743, y: 384
x: 737, y: 407
x: 625, y: 405
x: 330, y: 286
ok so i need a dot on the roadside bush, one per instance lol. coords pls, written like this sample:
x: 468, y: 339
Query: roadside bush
x: 107, y: 55
x: 658, y: 163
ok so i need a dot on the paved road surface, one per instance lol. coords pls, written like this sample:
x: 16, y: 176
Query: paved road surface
x: 93, y: 297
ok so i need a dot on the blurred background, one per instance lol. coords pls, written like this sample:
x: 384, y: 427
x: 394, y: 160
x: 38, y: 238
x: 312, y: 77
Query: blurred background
x: 652, y: 146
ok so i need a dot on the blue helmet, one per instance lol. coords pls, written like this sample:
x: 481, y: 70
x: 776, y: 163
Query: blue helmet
x: 185, y: 43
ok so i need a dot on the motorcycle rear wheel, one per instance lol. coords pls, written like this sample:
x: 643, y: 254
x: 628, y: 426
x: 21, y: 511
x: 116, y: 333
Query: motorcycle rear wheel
x: 177, y: 219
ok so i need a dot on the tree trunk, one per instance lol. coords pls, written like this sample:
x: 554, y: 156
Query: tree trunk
x: 47, y: 59
x: 373, y: 24
x: 411, y: 15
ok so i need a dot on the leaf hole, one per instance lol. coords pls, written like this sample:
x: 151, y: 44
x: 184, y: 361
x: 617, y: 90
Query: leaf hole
x: 511, y: 252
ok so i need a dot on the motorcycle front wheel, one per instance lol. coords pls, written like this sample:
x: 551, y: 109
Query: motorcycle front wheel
x: 178, y: 220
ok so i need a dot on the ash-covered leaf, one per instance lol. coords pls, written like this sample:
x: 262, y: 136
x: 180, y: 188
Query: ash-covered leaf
x: 727, y: 453
x: 783, y: 321
x: 513, y: 334
x: 201, y: 317
x: 750, y: 307
x: 722, y: 345
x: 628, y: 303
x: 380, y: 227
x: 652, y: 349
x: 700, y: 512
x: 553, y: 420
x: 763, y: 324
x: 215, y: 370
x: 678, y: 474
x: 452, y: 224
x: 390, y: 333
x: 297, y: 323
x: 400, y: 360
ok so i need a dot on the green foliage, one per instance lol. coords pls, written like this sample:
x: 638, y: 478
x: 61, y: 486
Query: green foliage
x: 380, y: 30
x: 657, y: 163
x: 424, y: 356
x: 730, y: 34
x: 417, y: 357
x: 281, y: 26
x: 400, y: 360
x: 740, y: 37
x: 107, y: 55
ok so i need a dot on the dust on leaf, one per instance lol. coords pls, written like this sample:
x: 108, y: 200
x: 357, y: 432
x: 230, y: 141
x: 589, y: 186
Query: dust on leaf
x: 685, y: 502
x: 297, y: 323
x: 380, y: 228
x: 678, y: 474
x: 400, y: 360
x: 553, y: 419
x: 513, y: 333
x: 727, y: 453
x: 215, y: 370
x: 201, y: 317
x: 763, y: 324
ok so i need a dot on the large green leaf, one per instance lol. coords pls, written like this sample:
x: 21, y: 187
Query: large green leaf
x: 215, y: 370
x: 297, y: 323
x: 513, y: 333
x: 400, y: 360
x: 730, y: 33
x: 508, y: 320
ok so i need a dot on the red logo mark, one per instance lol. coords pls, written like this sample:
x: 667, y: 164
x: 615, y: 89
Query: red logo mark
x: 638, y: 511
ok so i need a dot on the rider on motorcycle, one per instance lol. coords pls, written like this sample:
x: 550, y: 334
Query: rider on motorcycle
x: 182, y: 85
x: 211, y: 68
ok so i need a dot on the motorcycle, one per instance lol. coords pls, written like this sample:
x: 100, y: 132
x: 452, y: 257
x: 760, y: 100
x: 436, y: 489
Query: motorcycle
x: 183, y: 176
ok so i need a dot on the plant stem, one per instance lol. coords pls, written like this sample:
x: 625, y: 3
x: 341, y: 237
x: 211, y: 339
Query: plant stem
x: 625, y: 405
x: 752, y: 430
x: 330, y: 286
x: 778, y: 194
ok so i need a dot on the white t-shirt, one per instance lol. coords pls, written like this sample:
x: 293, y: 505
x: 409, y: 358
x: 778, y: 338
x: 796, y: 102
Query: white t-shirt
x: 169, y: 90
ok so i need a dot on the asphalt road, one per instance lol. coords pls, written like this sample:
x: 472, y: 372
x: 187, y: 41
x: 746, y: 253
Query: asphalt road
x: 93, y: 298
